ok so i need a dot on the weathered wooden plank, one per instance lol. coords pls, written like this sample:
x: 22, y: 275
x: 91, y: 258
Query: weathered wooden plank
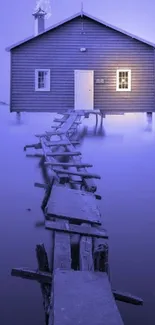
x: 43, y: 277
x: 127, y: 297
x: 69, y: 122
x: 75, y: 204
x: 61, y: 143
x: 81, y: 174
x: 83, y: 298
x: 70, y: 164
x: 83, y: 112
x: 63, y: 154
x: 85, y: 253
x: 76, y: 229
x: 62, y: 120
x: 62, y: 249
x: 49, y: 134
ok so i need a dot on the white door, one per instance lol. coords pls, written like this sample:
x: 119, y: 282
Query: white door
x: 84, y: 89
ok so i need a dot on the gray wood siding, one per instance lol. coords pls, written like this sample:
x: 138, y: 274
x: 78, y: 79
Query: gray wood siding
x: 59, y: 50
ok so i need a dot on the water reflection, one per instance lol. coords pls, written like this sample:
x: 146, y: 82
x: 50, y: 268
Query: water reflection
x: 149, y: 122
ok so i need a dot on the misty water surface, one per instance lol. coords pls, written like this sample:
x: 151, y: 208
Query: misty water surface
x: 123, y: 153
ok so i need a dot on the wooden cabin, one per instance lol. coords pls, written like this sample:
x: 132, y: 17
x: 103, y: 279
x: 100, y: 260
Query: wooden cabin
x: 82, y: 63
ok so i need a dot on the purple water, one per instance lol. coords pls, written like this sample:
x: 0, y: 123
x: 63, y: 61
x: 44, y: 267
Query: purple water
x: 123, y: 153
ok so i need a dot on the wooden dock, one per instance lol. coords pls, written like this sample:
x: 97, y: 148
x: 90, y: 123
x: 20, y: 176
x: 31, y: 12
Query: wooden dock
x: 76, y: 288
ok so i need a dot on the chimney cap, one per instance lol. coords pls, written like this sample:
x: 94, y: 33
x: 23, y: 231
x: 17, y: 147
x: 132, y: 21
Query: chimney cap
x: 39, y: 12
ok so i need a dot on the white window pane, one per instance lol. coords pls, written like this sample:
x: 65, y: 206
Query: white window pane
x: 42, y: 79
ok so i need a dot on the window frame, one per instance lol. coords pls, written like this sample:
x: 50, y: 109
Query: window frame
x: 36, y: 79
x: 129, y: 79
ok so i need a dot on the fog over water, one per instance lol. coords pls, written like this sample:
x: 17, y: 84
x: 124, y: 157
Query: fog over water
x: 122, y: 151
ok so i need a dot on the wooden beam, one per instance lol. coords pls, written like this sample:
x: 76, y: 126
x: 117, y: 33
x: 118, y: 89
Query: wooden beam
x: 63, y: 154
x: 76, y: 229
x: 61, y: 143
x: 70, y: 164
x: 37, y: 155
x: 85, y: 252
x: 62, y: 249
x: 127, y: 297
x: 49, y: 134
x: 62, y: 120
x: 82, y: 174
x: 42, y: 277
x: 45, y: 186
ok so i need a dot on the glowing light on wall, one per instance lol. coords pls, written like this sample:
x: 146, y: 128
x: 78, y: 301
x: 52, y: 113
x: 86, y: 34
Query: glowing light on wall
x: 123, y: 80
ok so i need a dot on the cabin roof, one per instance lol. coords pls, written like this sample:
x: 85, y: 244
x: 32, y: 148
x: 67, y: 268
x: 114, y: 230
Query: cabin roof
x: 80, y: 14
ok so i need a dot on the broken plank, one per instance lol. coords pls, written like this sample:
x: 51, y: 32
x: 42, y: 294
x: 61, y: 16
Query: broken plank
x: 75, y: 204
x: 98, y: 197
x: 63, y: 154
x: 44, y: 277
x: 40, y: 185
x: 83, y: 298
x: 84, y: 229
x: 81, y: 174
x: 70, y: 164
x: 127, y: 297
x: 34, y: 145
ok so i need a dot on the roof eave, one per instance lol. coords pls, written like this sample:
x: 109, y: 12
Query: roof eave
x: 9, y: 48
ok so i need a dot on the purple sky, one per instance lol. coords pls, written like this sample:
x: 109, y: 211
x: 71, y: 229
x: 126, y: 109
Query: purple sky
x: 135, y: 16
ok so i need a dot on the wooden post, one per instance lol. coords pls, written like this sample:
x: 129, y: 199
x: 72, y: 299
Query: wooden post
x: 45, y: 288
x: 100, y: 255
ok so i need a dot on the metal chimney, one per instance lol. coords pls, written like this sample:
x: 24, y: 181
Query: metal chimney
x: 39, y: 17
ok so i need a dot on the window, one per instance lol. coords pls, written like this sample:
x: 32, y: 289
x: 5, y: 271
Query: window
x: 123, y: 81
x: 42, y: 79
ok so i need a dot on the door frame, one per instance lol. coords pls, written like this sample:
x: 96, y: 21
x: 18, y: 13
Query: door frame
x: 75, y: 97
